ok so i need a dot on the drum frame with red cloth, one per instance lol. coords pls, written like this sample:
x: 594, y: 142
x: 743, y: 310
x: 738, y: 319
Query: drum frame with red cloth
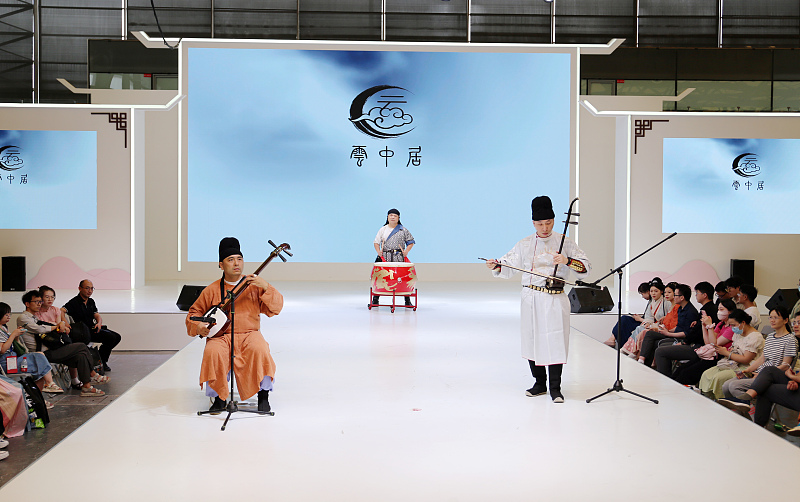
x: 398, y: 283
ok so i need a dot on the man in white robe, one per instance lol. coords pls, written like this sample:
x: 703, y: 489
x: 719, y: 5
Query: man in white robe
x: 544, y: 308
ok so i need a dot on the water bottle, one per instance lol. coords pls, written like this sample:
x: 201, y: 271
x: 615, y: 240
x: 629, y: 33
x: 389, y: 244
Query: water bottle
x: 24, y: 366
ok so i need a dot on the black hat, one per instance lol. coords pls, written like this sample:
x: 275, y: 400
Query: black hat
x: 542, y: 208
x: 393, y: 211
x: 229, y: 246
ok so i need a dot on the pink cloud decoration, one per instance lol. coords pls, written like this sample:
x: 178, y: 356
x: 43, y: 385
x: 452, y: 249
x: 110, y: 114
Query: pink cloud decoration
x: 63, y: 273
x: 691, y: 273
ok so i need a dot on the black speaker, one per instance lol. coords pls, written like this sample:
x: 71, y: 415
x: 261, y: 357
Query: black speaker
x: 13, y: 273
x: 188, y: 296
x: 583, y: 300
x: 745, y: 270
x: 784, y: 297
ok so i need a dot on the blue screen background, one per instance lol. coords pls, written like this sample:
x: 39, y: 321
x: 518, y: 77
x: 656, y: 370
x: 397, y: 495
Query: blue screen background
x: 59, y: 168
x: 270, y: 144
x: 703, y: 194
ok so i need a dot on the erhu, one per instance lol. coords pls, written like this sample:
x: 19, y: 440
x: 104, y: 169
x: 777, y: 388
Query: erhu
x: 553, y: 283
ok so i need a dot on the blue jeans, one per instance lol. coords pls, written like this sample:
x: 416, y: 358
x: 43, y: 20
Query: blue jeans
x: 38, y: 366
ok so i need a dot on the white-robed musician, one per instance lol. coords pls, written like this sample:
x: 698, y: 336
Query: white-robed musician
x: 544, y: 307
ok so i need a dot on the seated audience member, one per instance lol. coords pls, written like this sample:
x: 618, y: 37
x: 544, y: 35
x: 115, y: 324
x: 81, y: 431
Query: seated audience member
x: 747, y: 345
x: 683, y: 332
x: 666, y: 355
x: 780, y: 349
x: 631, y: 322
x: 38, y: 366
x: 59, y: 346
x: 734, y: 285
x: 721, y: 292
x: 670, y: 319
x: 706, y: 356
x: 54, y: 315
x: 747, y: 298
x: 83, y: 309
x: 773, y: 386
x: 796, y: 308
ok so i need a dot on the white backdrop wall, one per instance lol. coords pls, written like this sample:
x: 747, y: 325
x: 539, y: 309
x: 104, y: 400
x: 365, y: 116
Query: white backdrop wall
x: 776, y: 262
x: 108, y: 246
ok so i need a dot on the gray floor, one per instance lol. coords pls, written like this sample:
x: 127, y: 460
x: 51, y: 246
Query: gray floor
x: 71, y: 410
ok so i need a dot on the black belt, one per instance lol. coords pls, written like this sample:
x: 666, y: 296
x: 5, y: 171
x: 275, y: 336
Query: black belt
x: 550, y: 291
x: 393, y: 251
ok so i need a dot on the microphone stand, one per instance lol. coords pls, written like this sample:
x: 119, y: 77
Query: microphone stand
x: 233, y: 406
x: 617, y: 387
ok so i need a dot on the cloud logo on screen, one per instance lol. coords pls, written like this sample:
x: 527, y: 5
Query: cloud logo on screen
x: 10, y: 159
x: 379, y: 112
x: 745, y: 165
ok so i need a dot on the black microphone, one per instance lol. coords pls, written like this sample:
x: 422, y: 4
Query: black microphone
x: 591, y: 285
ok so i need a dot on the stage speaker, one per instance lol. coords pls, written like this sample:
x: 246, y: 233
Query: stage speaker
x: 585, y: 300
x: 745, y: 269
x: 13, y: 273
x: 784, y: 297
x: 188, y: 296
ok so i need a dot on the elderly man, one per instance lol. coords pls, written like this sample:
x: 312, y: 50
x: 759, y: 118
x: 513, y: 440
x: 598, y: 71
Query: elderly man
x: 83, y: 309
x: 253, y: 366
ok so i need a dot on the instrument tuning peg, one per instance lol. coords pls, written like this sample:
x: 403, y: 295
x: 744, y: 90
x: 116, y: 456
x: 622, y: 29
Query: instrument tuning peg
x: 281, y: 257
x: 287, y: 252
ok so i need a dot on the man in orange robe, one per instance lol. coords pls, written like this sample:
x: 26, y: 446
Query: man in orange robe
x: 253, y: 365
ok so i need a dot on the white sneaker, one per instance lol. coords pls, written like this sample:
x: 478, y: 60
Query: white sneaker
x: 3, y: 454
x: 3, y: 443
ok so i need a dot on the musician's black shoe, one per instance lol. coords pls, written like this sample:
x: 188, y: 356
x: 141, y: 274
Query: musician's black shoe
x: 556, y: 395
x: 537, y: 390
x: 263, y: 400
x: 408, y: 301
x: 106, y: 367
x: 374, y: 300
x: 218, y: 407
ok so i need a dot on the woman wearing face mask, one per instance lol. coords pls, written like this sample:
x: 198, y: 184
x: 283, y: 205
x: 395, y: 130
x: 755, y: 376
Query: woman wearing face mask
x: 747, y: 345
x: 703, y: 358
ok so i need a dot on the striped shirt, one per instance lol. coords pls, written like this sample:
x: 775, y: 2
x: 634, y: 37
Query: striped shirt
x: 775, y: 349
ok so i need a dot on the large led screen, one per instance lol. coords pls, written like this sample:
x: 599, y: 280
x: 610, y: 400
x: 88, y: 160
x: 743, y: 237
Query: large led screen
x: 48, y: 179
x: 733, y: 186
x: 313, y: 147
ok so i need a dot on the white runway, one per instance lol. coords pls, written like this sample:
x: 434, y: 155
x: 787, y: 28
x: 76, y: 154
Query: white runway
x: 426, y: 405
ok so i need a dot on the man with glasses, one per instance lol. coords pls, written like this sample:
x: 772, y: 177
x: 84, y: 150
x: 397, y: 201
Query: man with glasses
x: 734, y: 286
x: 83, y: 309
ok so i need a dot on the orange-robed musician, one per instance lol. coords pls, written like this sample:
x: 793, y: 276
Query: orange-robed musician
x: 253, y: 365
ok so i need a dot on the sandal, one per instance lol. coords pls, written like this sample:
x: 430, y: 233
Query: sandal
x: 52, y: 388
x: 49, y: 405
x: 91, y: 392
x: 99, y: 379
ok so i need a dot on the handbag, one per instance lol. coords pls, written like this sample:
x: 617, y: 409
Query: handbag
x: 38, y: 407
x: 19, y: 347
x: 707, y: 352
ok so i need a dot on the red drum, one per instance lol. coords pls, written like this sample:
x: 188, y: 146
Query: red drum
x: 393, y: 277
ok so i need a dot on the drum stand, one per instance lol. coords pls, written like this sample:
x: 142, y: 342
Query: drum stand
x: 233, y: 405
x: 394, y: 297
